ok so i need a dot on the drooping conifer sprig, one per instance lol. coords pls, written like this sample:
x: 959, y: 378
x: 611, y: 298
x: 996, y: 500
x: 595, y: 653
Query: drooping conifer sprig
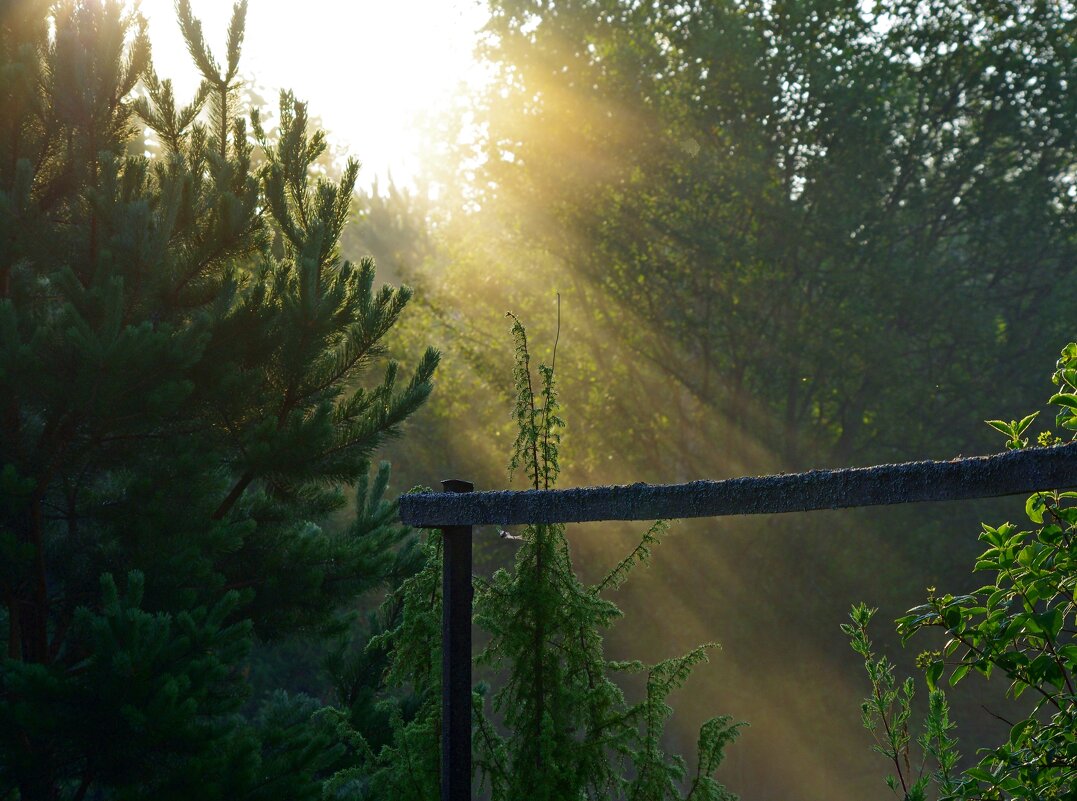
x: 552, y: 424
x: 525, y: 446
x: 538, y: 423
x: 651, y: 538
x: 556, y: 724
x: 572, y: 733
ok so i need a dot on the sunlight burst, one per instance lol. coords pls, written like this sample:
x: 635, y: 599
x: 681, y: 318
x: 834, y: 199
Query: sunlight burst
x: 371, y: 70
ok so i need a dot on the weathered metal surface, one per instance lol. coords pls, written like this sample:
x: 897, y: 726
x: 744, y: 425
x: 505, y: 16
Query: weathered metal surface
x: 1010, y: 473
x: 456, y: 594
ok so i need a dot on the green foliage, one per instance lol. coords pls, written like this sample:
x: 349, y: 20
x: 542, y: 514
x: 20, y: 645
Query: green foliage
x: 556, y: 725
x: 730, y: 185
x: 1019, y: 625
x: 538, y: 427
x: 161, y: 686
x: 398, y: 757
x: 1013, y: 430
x: 886, y: 714
x: 185, y: 364
x: 1065, y: 378
x: 789, y: 235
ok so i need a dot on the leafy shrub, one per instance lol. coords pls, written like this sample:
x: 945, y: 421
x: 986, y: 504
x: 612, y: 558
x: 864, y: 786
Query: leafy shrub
x: 1021, y: 625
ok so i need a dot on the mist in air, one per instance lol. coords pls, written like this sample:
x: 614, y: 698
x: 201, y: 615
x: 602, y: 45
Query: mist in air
x: 784, y: 237
x: 265, y: 267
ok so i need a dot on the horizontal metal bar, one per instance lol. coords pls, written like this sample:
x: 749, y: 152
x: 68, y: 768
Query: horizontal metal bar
x: 1010, y: 473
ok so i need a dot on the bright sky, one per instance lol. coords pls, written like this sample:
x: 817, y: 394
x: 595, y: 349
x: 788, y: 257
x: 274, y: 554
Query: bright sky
x: 368, y: 68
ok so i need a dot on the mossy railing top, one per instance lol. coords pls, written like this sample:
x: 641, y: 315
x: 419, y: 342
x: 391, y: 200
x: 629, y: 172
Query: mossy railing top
x: 1009, y: 473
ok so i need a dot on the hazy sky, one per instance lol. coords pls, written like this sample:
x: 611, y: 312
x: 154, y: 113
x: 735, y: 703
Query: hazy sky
x: 366, y: 67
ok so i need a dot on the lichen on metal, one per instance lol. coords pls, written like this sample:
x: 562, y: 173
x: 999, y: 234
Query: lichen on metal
x: 1010, y: 473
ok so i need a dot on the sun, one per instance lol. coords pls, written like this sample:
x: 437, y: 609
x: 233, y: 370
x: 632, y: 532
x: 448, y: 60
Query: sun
x: 370, y: 69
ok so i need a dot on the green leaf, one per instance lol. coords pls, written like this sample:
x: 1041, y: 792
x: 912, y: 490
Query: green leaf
x: 932, y: 674
x: 1050, y: 535
x: 1011, y: 660
x: 1067, y: 399
x: 951, y: 617
x: 1001, y: 426
x: 1024, y: 424
x: 1042, y: 668
x: 958, y: 674
x: 1048, y: 623
x: 1035, y: 506
x: 980, y: 775
x: 1069, y: 654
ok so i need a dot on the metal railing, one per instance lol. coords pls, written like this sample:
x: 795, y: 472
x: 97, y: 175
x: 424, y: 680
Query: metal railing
x: 458, y: 509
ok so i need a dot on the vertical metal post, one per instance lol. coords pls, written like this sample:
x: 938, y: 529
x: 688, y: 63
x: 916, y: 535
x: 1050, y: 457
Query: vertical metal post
x: 456, y: 593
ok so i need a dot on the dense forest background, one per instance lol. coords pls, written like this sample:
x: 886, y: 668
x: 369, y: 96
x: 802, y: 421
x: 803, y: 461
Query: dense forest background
x: 785, y: 236
x: 765, y: 237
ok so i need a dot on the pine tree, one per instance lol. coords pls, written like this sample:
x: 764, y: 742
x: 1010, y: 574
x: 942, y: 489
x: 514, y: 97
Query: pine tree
x: 182, y: 362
